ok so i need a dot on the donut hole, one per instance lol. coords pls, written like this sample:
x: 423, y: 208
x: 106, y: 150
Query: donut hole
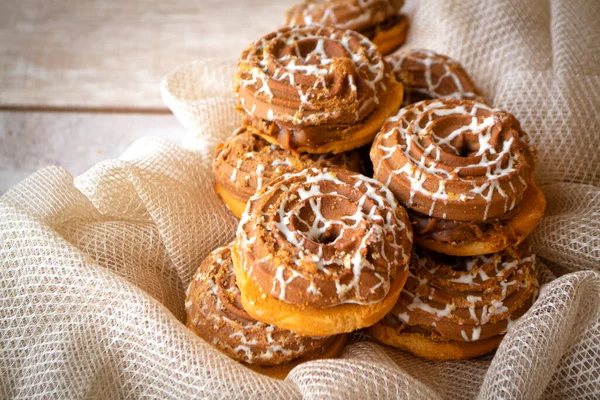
x: 320, y: 218
x: 312, y: 50
x: 455, y: 136
x: 331, y: 234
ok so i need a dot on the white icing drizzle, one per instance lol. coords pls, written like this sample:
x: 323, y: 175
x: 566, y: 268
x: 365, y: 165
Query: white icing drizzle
x: 404, y: 317
x: 249, y: 157
x: 361, y: 13
x: 305, y: 191
x: 406, y: 134
x: 417, y: 303
x: 369, y: 67
x: 475, y: 334
x: 240, y: 340
x: 506, y: 272
x: 260, y: 169
x: 235, y: 170
x: 501, y: 268
x: 277, y: 162
x: 428, y: 60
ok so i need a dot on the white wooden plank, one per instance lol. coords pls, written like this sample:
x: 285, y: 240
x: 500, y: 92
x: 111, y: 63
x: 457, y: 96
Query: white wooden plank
x: 113, y: 53
x: 76, y: 141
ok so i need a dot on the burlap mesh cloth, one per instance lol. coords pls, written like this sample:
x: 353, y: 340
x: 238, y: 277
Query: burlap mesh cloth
x: 94, y: 268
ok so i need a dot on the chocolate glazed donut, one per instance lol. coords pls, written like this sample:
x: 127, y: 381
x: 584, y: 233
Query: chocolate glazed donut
x: 460, y: 307
x: 429, y: 75
x: 454, y: 159
x: 345, y: 14
x: 214, y: 312
x: 326, y: 244
x: 315, y: 89
x: 378, y: 20
x: 465, y: 171
x: 245, y: 162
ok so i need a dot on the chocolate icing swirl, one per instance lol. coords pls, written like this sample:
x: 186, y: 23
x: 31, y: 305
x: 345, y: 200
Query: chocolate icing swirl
x: 429, y: 75
x: 454, y: 159
x: 465, y: 298
x: 245, y: 162
x: 324, y: 237
x: 310, y: 76
x: 215, y: 313
x: 357, y: 15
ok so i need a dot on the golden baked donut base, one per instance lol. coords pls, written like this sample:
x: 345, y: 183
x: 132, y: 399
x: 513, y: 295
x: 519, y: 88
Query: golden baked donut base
x: 333, y: 350
x: 532, y: 209
x: 389, y: 40
x: 422, y: 346
x: 234, y: 205
x: 309, y: 321
x: 356, y: 137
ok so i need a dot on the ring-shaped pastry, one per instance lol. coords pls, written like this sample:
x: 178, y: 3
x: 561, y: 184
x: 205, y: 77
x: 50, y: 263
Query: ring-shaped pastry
x: 322, y: 252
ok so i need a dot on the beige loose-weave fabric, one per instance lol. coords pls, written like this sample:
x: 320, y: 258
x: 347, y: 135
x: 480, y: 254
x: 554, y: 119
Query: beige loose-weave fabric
x: 93, y: 269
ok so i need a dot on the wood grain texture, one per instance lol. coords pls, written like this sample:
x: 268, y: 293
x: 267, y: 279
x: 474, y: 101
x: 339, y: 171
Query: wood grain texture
x: 113, y: 53
x: 75, y: 141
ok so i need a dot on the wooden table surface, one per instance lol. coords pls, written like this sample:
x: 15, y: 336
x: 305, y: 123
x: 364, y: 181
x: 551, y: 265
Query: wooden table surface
x: 79, y: 80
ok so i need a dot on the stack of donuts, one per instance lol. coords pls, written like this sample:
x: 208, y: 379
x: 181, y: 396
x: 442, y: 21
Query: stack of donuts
x: 321, y: 248
x: 464, y: 171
